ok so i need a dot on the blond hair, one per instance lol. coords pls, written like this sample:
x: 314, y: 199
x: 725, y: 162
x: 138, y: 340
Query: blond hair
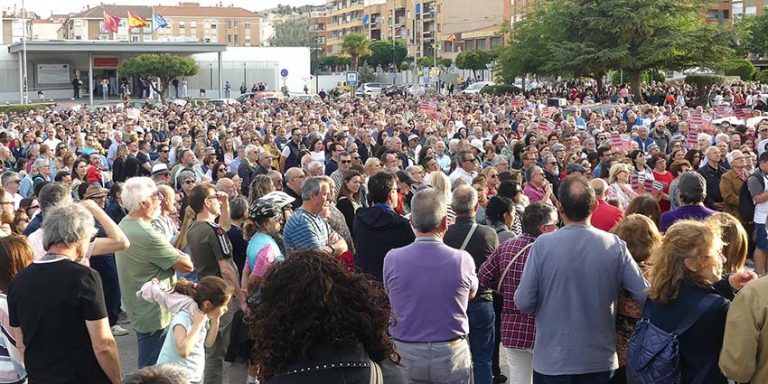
x: 640, y: 234
x: 734, y: 236
x: 685, y: 239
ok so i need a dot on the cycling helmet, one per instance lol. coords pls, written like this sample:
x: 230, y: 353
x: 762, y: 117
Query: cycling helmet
x: 269, y: 205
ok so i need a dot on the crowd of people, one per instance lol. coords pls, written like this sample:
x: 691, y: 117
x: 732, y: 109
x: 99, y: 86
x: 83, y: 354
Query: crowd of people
x: 389, y: 239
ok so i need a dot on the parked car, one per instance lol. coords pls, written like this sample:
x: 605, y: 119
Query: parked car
x: 476, y: 87
x: 218, y: 102
x: 305, y: 97
x: 371, y: 88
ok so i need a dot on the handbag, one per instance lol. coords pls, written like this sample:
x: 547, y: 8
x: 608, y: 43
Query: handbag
x: 504, y: 274
x: 377, y: 377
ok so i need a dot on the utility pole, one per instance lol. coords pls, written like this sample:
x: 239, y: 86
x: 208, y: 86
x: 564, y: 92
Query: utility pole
x: 24, y: 51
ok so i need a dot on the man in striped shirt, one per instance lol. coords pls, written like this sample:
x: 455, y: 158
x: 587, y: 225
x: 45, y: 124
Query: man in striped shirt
x: 308, y: 228
x: 517, y: 328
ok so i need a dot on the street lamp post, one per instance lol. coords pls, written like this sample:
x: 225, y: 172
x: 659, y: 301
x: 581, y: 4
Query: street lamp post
x: 24, y: 51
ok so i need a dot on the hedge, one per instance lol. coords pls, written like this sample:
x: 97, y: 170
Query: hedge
x: 499, y: 89
x: 22, y: 108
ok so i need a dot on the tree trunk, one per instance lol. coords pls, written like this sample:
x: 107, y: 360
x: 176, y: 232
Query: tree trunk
x: 600, y: 86
x: 634, y: 81
x: 523, y: 83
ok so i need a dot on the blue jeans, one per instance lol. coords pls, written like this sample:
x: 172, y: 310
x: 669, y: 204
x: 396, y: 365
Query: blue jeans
x: 107, y: 269
x: 481, y: 340
x: 149, y: 345
x: 586, y: 378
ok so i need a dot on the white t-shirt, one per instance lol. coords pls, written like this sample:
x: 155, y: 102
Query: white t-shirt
x: 36, y: 243
x: 761, y: 209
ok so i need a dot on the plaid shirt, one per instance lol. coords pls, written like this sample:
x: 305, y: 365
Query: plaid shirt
x: 518, y: 330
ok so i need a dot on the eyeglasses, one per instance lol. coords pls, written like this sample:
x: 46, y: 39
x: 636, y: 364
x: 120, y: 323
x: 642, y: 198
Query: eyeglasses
x: 221, y: 170
x: 163, y: 151
x: 466, y: 160
x: 356, y: 158
x: 494, y: 176
x: 33, y: 207
x: 157, y: 195
x: 346, y: 161
x: 189, y: 181
x: 429, y: 132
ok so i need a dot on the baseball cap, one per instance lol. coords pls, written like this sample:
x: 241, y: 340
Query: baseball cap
x: 477, y: 144
x: 692, y: 184
x: 413, y: 137
x: 159, y: 168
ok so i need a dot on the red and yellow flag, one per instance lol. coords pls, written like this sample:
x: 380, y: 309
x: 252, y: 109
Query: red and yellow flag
x: 135, y: 21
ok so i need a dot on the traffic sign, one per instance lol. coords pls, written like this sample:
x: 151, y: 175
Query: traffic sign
x: 351, y: 78
x: 284, y: 72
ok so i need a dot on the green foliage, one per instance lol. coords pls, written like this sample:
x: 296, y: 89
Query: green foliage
x: 616, y: 78
x: 444, y: 61
x: 293, y: 32
x: 475, y: 60
x: 744, y: 69
x: 405, y: 66
x: 500, y: 89
x: 383, y: 51
x: 356, y: 45
x: 367, y: 73
x: 18, y: 108
x: 424, y: 61
x: 163, y: 66
x: 704, y: 80
x: 658, y: 77
x: 751, y: 35
x: 703, y: 83
x: 333, y: 63
x: 762, y: 76
x: 588, y: 38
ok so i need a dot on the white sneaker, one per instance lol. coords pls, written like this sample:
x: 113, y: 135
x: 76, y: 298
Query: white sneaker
x: 119, y: 331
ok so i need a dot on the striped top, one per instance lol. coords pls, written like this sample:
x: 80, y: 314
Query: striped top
x: 304, y: 230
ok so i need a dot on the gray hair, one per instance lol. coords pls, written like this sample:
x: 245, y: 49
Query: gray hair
x: 40, y: 162
x: 250, y: 149
x: 315, y: 164
x: 185, y: 174
x: 136, y: 190
x: 729, y: 156
x: 529, y: 172
x: 52, y: 195
x: 158, y: 374
x: 6, y: 177
x: 464, y: 200
x: 536, y: 215
x: 312, y: 186
x: 67, y: 224
x: 238, y: 206
x: 428, y: 209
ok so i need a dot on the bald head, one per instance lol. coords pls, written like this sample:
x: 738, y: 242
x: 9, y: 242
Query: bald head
x: 600, y: 186
x: 227, y: 186
x: 294, y: 179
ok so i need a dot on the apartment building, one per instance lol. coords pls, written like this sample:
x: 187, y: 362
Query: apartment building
x: 191, y: 22
x: 12, y: 24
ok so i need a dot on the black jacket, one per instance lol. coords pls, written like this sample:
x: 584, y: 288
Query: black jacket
x: 377, y: 231
x: 326, y: 356
x: 701, y: 344
x: 482, y: 243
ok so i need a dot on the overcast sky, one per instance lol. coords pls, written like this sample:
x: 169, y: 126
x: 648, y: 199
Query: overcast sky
x: 45, y: 7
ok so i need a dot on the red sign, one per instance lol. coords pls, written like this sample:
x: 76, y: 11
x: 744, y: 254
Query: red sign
x: 104, y: 62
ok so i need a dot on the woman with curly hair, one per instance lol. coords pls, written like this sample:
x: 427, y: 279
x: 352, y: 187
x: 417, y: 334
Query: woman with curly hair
x: 338, y: 336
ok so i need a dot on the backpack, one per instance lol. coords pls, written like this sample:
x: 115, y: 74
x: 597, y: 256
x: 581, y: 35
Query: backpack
x: 746, y: 204
x: 654, y: 355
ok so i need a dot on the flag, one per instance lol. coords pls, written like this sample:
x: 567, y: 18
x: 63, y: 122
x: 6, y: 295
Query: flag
x: 135, y: 21
x: 159, y: 21
x: 366, y: 18
x: 111, y: 23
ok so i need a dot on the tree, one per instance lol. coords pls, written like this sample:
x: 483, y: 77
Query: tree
x: 293, y: 32
x: 527, y: 52
x: 333, y: 62
x: 744, y: 69
x: 751, y: 35
x: 165, y: 67
x: 591, y: 37
x: 356, y: 45
x: 384, y: 53
x: 474, y: 60
x: 424, y: 61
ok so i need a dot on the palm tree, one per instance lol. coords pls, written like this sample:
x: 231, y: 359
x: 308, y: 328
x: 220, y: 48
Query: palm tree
x: 356, y: 46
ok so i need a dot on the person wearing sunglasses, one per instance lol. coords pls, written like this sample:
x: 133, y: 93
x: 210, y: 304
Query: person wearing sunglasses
x: 466, y: 166
x: 345, y: 161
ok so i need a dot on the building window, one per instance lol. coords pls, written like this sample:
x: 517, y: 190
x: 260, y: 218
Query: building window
x: 181, y: 25
x: 212, y: 26
x: 229, y: 38
x: 207, y: 39
x: 470, y: 45
x: 234, y: 24
x: 447, y: 46
x: 247, y: 25
x: 134, y: 38
x: 247, y: 38
x: 193, y: 24
x: 496, y: 42
x: 229, y: 23
x: 237, y: 39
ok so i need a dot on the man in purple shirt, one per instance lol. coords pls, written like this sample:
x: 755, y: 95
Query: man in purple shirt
x: 537, y: 188
x: 692, y: 189
x: 429, y: 285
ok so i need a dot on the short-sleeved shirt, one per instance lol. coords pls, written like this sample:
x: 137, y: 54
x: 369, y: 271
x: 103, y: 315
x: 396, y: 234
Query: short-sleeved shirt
x: 208, y: 243
x: 150, y: 256
x: 51, y: 301
x: 262, y: 252
x: 304, y: 230
x: 755, y: 188
x: 195, y: 362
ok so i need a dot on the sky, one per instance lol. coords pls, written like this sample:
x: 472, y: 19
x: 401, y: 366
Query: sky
x: 45, y: 7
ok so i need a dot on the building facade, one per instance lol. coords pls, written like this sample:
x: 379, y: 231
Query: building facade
x: 187, y: 22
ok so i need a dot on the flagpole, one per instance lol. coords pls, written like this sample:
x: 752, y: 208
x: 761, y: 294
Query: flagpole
x: 24, y: 52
